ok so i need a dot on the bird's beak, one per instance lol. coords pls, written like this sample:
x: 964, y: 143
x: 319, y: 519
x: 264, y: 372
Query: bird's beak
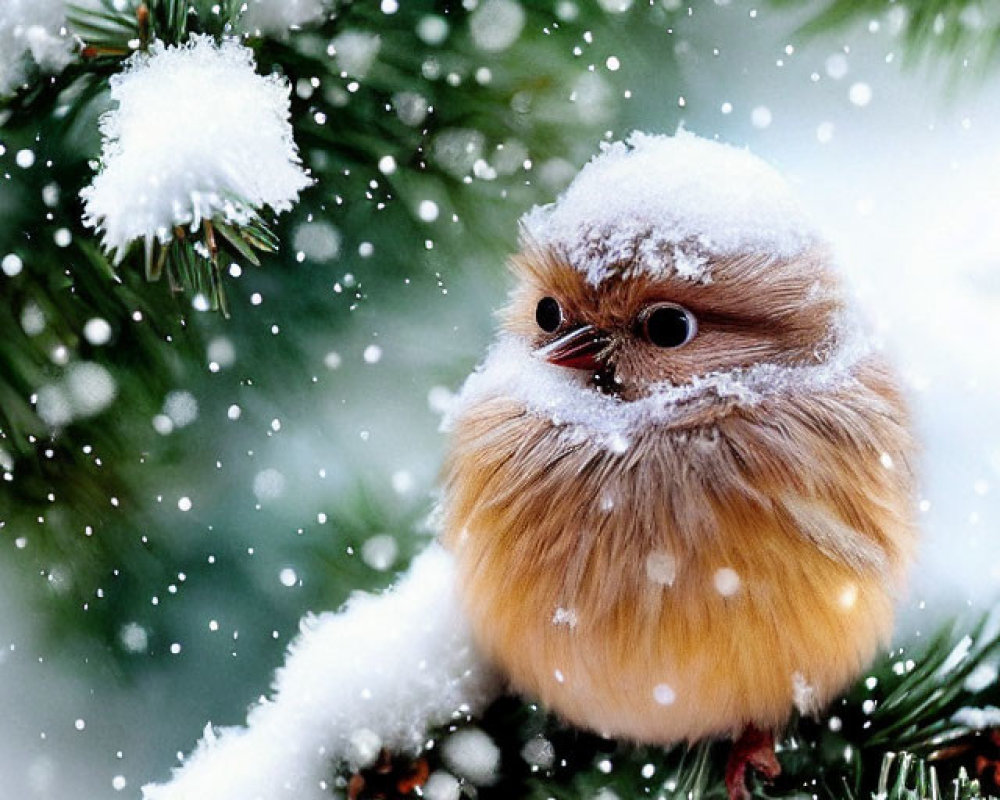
x: 583, y: 348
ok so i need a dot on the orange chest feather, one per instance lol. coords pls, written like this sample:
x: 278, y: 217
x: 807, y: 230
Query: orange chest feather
x: 669, y: 593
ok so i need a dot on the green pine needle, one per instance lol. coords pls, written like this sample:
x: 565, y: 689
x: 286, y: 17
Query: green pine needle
x: 963, y: 35
x: 853, y: 752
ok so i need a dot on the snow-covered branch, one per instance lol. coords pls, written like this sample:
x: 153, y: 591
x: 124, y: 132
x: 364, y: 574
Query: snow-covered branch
x: 379, y: 673
x: 196, y: 134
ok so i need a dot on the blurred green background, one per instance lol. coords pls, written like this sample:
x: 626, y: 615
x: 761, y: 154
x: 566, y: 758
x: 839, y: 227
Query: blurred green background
x: 253, y: 468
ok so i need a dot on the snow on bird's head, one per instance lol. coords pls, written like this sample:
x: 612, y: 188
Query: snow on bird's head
x: 197, y: 133
x: 657, y: 204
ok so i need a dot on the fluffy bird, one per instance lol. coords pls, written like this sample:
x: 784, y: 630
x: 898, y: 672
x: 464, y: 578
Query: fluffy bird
x: 679, y: 489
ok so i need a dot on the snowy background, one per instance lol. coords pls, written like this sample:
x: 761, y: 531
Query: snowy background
x: 901, y: 168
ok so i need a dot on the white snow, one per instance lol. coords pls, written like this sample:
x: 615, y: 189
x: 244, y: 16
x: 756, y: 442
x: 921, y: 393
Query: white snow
x: 981, y: 677
x: 85, y: 390
x: 496, y: 24
x: 364, y: 746
x: 442, y: 785
x: 643, y: 200
x: 664, y: 694
x: 511, y: 370
x: 221, y: 351
x: 395, y: 665
x: 539, y: 752
x: 411, y: 108
x: 319, y: 240
x: 33, y: 35
x: 726, y: 581
x: 380, y: 552
x: 97, y: 331
x: 977, y: 718
x: 565, y: 616
x: 804, y: 695
x: 356, y: 51
x: 472, y: 754
x: 615, y: 6
x: 25, y: 158
x: 33, y: 320
x: 11, y: 265
x: 860, y: 94
x: 848, y: 596
x: 402, y: 482
x: 196, y: 134
x: 661, y: 567
x: 269, y: 484
x: 53, y: 406
x: 91, y: 388
x: 432, y: 29
x: 181, y: 406
x: 428, y: 210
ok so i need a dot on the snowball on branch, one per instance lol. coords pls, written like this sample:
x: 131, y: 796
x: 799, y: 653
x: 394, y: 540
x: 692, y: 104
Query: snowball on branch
x: 32, y: 34
x: 196, y: 134
x: 379, y: 673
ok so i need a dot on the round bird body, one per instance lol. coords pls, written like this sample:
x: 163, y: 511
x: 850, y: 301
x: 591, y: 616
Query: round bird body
x: 679, y: 489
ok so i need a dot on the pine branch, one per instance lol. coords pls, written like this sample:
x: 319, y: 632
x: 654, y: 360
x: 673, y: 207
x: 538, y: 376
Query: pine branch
x: 158, y: 341
x: 882, y: 740
x: 965, y: 34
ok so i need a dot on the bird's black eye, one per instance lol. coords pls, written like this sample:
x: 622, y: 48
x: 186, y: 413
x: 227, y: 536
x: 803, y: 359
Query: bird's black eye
x: 667, y: 325
x: 548, y: 314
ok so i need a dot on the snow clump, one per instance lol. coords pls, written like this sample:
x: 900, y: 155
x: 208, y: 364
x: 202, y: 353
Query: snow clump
x: 85, y: 390
x: 564, y: 397
x: 196, y: 134
x: 472, y: 754
x: 386, y: 667
x: 672, y: 203
x: 496, y: 25
x: 977, y: 719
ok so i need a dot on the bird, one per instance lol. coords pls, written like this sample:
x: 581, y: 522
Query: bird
x: 679, y: 490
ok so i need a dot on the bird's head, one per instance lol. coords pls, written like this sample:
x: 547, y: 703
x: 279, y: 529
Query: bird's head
x: 669, y: 259
x: 633, y: 332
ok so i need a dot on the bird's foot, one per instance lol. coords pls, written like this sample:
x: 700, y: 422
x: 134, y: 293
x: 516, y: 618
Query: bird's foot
x: 388, y: 778
x: 754, y: 748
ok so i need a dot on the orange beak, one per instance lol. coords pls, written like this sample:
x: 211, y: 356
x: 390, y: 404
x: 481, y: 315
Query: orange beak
x: 582, y: 348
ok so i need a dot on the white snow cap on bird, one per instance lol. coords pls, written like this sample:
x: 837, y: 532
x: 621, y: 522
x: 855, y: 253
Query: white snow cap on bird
x: 670, y: 203
x: 197, y: 133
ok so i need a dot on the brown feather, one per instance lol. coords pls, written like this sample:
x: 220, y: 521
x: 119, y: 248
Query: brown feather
x: 593, y: 577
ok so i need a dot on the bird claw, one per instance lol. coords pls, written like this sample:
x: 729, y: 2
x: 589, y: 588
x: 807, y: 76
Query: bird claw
x: 754, y: 748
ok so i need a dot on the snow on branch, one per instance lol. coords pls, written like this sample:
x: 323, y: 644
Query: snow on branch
x: 33, y: 35
x: 197, y: 134
x: 379, y: 673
